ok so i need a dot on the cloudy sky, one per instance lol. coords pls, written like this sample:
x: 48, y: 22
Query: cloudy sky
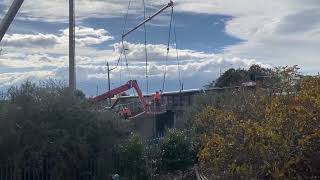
x: 211, y: 35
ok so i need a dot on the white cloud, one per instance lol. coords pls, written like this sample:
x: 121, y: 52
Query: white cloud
x: 282, y: 32
x: 85, y: 36
x: 276, y: 32
x: 90, y: 71
x: 18, y: 40
x: 57, y: 10
x: 15, y: 78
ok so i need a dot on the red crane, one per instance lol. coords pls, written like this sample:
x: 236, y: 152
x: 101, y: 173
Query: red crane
x: 130, y: 84
x: 158, y: 109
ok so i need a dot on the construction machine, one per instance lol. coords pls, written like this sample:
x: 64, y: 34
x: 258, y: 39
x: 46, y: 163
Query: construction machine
x: 148, y: 107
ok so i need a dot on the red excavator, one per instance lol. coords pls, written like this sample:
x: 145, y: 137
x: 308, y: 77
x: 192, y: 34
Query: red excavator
x: 125, y: 111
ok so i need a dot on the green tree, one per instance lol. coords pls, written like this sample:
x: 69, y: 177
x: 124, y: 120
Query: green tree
x: 235, y: 77
x: 133, y: 162
x: 232, y: 77
x: 178, y: 151
x: 263, y: 137
x: 50, y: 121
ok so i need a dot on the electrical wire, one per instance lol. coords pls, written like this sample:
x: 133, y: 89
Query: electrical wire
x: 177, y: 53
x: 145, y: 46
x: 168, y: 50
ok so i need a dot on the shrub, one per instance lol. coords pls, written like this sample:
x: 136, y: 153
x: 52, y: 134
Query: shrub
x: 178, y: 151
x: 132, y: 158
x: 281, y: 141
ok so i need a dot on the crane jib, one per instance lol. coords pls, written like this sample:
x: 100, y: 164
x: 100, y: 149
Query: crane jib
x: 150, y: 18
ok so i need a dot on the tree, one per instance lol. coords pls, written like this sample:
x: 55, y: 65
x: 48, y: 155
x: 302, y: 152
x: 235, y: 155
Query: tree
x: 49, y: 121
x: 232, y: 77
x: 235, y: 77
x: 178, y: 151
x: 133, y: 163
x: 258, y: 73
x: 273, y: 137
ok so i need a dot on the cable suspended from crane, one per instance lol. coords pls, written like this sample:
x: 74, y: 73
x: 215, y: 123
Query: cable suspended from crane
x: 168, y: 50
x: 177, y: 53
x: 145, y: 46
x: 158, y: 108
x: 125, y: 34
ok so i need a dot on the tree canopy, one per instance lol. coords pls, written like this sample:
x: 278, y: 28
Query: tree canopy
x: 235, y: 77
x: 50, y: 121
x: 261, y: 135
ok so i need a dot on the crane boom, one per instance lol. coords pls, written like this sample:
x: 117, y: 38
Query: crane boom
x: 170, y: 4
x: 130, y: 84
x: 8, y: 18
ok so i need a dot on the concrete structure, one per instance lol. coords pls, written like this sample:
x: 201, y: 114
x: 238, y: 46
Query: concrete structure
x: 173, y: 106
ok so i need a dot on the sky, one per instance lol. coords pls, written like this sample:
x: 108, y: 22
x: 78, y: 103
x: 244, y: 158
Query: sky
x: 210, y: 35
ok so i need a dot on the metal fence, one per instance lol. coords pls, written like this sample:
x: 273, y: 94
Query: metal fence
x: 97, y: 167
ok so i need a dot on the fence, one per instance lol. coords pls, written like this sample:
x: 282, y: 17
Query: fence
x: 95, y: 168
x: 98, y: 167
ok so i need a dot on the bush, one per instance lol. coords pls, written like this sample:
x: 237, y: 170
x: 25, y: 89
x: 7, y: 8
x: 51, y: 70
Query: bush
x: 178, y: 151
x: 277, y: 138
x: 133, y: 163
x: 50, y: 121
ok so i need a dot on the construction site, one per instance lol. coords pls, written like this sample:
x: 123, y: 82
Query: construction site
x: 253, y: 121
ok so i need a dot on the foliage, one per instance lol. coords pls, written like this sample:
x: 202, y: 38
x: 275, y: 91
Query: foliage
x: 51, y: 121
x: 274, y: 136
x: 178, y: 151
x: 235, y: 77
x: 133, y: 160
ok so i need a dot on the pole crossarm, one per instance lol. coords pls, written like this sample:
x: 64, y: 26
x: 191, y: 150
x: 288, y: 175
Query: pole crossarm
x: 170, y: 4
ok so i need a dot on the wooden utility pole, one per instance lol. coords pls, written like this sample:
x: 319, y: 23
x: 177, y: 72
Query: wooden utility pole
x: 72, y: 72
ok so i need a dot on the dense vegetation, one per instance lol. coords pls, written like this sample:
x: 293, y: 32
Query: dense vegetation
x: 261, y: 133
x: 50, y: 122
x: 271, y: 131
x: 235, y: 77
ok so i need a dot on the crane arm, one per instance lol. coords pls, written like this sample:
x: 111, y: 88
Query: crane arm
x: 130, y: 84
x: 170, y: 4
x: 113, y: 92
x: 140, y: 95
x: 8, y: 18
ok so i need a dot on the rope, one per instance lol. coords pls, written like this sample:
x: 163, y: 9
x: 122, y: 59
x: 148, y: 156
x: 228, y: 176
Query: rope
x: 177, y: 54
x: 121, y: 41
x: 123, y: 48
x: 145, y: 47
x: 168, y: 50
x: 126, y: 19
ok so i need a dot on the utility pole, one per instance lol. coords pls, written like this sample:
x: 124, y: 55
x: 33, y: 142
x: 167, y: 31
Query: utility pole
x: 72, y: 72
x: 8, y: 18
x: 109, y: 88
